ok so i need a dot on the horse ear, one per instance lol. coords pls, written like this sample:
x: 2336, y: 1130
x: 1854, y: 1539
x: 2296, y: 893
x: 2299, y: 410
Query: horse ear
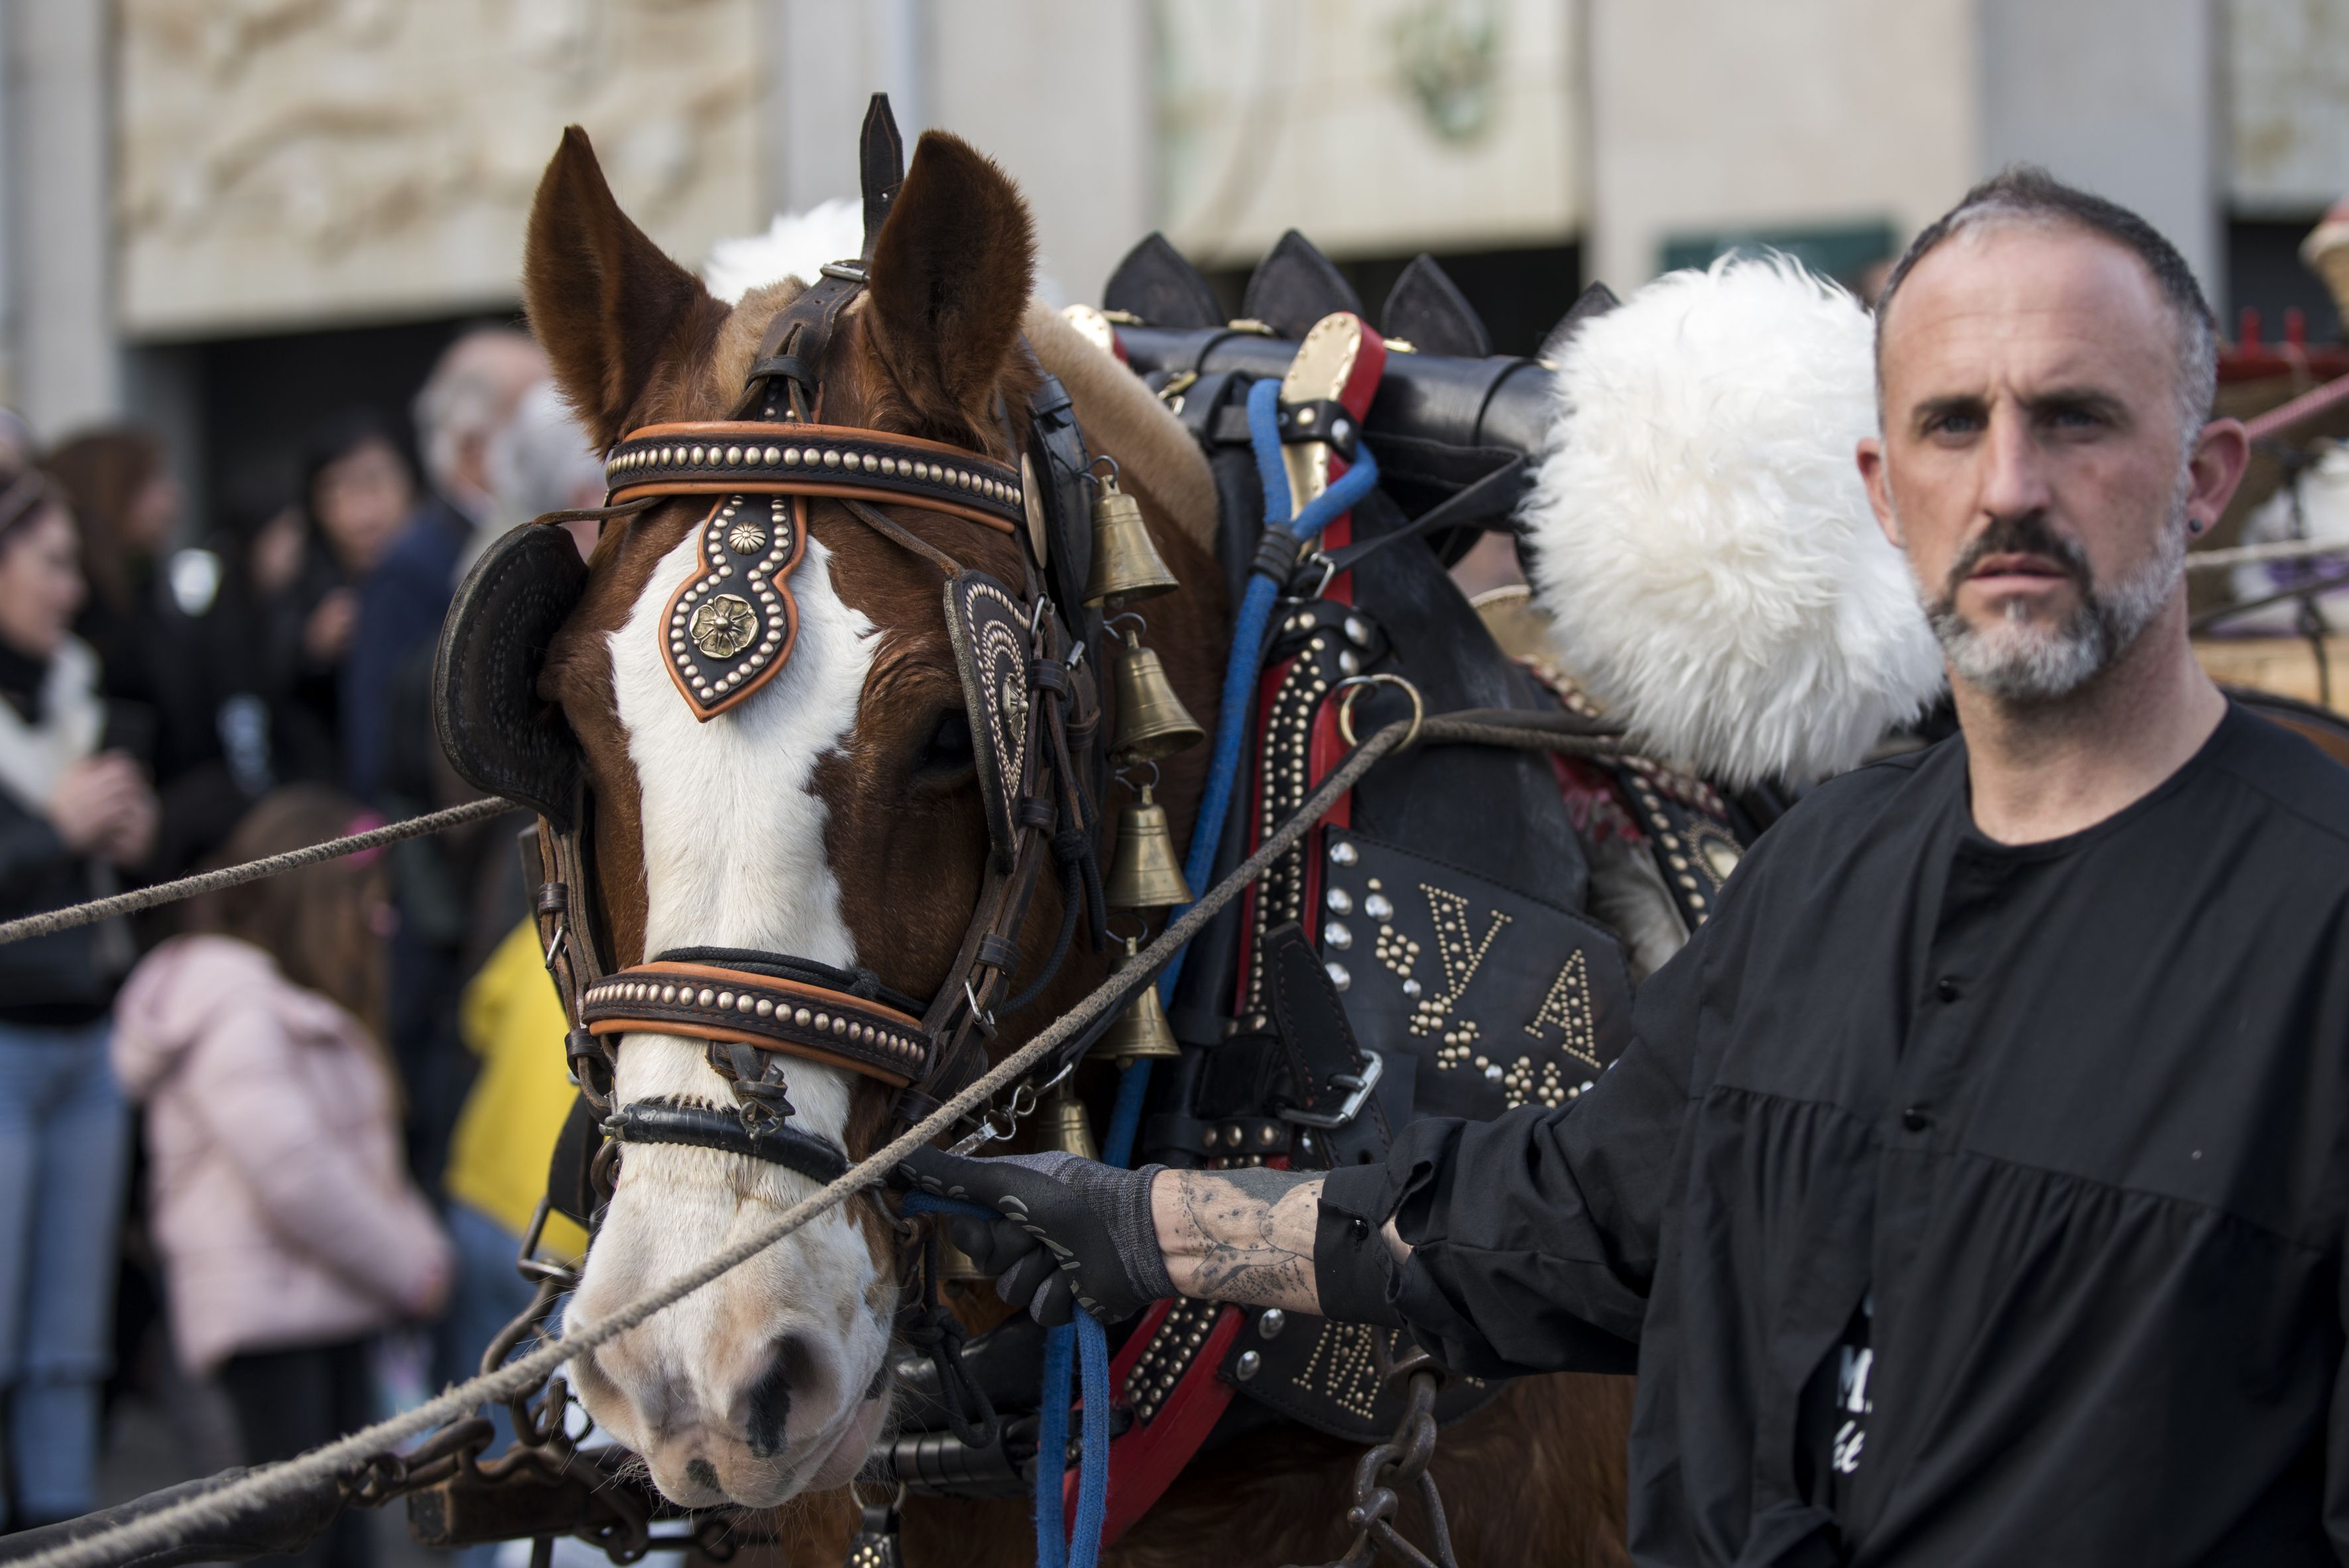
x: 949, y: 280
x: 603, y: 300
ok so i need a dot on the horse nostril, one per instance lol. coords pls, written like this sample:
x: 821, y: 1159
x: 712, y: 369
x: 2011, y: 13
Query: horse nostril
x: 703, y: 1474
x: 771, y: 1398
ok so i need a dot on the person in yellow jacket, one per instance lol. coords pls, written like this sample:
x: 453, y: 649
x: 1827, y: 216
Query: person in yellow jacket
x: 510, y: 1018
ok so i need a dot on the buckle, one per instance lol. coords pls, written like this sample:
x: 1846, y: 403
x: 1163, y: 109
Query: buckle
x: 1357, y: 1094
x: 847, y: 272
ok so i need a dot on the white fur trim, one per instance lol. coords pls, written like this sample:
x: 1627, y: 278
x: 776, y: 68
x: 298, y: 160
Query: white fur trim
x: 1700, y: 537
x: 795, y: 246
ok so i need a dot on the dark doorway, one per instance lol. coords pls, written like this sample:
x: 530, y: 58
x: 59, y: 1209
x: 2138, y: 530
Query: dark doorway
x: 258, y: 397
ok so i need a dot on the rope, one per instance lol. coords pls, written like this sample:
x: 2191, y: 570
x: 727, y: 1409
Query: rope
x: 162, y: 1528
x: 56, y: 920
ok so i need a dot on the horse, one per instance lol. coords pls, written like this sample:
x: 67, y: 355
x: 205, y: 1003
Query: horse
x: 835, y: 814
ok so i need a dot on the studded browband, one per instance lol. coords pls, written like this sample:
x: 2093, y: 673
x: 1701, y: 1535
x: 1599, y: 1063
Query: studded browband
x: 713, y: 1003
x: 730, y: 457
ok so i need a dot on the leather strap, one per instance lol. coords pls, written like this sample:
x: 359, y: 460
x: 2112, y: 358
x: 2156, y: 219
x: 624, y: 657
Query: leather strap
x: 710, y: 1002
x: 1326, y: 1067
x: 702, y: 1126
x: 740, y: 456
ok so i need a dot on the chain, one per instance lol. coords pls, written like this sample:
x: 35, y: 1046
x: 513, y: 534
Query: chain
x: 1387, y: 1470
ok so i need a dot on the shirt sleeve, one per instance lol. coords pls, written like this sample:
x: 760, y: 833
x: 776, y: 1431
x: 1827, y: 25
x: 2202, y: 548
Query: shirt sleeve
x: 1534, y: 1237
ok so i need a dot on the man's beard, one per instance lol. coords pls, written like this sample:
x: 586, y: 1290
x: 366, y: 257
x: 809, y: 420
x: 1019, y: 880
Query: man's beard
x: 2017, y: 661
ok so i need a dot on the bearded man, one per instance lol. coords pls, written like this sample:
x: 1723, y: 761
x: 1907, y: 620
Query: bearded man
x: 1974, y: 1191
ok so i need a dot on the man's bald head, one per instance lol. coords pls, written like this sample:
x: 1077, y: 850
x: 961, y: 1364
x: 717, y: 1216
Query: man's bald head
x: 2024, y: 196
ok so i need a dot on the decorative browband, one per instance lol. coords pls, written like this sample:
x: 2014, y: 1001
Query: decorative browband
x: 708, y: 1003
x: 729, y: 457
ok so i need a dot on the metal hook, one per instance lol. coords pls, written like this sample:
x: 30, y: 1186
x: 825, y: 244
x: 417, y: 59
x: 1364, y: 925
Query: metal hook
x: 1130, y: 784
x: 1115, y: 473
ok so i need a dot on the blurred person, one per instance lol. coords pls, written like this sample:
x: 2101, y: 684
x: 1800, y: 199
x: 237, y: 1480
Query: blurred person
x: 541, y: 462
x: 470, y: 397
x: 70, y: 811
x: 163, y: 653
x: 289, y: 1231
x: 300, y: 557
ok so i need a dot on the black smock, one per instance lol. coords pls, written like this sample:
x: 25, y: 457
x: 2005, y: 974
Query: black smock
x: 2073, y: 1112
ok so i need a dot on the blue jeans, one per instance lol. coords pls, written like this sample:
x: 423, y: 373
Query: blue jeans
x: 487, y: 1294
x: 64, y: 1143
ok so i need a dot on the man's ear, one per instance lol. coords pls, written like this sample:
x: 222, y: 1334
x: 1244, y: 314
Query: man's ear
x: 605, y: 301
x: 1879, y: 488
x: 2221, y: 452
x: 950, y: 276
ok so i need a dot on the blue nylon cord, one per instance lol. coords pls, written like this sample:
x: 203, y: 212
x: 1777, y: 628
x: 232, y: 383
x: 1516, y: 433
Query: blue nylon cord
x: 1247, y: 662
x: 1092, y: 1477
x: 1052, y: 1446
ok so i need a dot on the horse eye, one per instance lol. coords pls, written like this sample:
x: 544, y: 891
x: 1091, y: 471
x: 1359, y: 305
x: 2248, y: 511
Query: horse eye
x: 949, y: 743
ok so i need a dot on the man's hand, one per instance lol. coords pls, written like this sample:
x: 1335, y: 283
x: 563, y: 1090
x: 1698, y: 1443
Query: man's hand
x: 1075, y: 1232
x: 101, y: 805
x: 1244, y: 1235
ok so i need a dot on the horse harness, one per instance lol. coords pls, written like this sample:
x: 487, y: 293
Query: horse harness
x: 1031, y: 700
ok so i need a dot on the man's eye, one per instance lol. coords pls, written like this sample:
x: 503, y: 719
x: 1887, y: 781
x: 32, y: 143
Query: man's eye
x: 1953, y: 424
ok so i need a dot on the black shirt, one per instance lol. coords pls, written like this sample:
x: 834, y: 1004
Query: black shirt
x: 2075, y: 1113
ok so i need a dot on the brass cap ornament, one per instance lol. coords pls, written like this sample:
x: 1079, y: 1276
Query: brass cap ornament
x: 1152, y: 721
x: 1145, y: 872
x: 1126, y: 566
x: 1141, y: 1033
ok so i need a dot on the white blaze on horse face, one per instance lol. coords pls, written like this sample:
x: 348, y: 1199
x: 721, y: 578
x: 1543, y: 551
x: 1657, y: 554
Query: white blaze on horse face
x: 753, y: 1388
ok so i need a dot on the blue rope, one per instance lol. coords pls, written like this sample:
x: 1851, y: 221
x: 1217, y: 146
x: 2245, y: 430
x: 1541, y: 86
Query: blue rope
x: 1083, y: 1340
x: 1234, y: 719
x: 1052, y: 1446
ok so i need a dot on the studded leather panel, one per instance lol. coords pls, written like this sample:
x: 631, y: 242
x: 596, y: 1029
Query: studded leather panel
x: 713, y: 1004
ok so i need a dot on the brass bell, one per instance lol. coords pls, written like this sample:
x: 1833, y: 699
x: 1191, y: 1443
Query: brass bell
x: 1142, y: 1032
x: 1126, y: 567
x: 1152, y: 721
x: 1063, y: 1123
x: 1145, y: 873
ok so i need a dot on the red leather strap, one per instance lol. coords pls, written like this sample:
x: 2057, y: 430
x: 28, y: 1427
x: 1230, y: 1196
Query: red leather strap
x: 1145, y: 1459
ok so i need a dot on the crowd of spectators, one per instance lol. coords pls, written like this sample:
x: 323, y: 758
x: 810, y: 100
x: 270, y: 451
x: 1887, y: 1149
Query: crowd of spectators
x: 245, y: 1138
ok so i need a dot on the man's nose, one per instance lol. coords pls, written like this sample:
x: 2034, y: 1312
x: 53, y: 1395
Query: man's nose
x: 2014, y: 474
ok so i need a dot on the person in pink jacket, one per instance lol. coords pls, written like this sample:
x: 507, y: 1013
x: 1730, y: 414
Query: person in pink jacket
x: 288, y: 1227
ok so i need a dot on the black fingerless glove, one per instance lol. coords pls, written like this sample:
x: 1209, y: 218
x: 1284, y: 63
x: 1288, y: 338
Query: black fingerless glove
x: 1074, y: 1232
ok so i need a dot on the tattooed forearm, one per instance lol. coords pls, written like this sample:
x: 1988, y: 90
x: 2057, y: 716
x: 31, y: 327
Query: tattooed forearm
x: 1240, y: 1235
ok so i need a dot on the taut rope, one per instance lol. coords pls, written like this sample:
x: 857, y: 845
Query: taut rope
x: 132, y: 902
x: 161, y: 1530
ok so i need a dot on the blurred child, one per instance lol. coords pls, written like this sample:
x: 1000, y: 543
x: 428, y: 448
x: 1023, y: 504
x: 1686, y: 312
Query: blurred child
x: 289, y: 1231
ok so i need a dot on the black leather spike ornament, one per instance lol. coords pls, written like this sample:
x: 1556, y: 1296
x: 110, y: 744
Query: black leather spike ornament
x: 1426, y: 309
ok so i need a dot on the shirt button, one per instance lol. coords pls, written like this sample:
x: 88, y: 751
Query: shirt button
x: 1915, y: 1119
x: 1946, y: 989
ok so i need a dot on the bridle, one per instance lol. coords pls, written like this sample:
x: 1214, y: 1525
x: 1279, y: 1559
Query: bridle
x: 1031, y: 701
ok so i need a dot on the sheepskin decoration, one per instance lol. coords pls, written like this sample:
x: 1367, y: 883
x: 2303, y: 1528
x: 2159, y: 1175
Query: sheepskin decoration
x: 795, y: 246
x: 1699, y: 536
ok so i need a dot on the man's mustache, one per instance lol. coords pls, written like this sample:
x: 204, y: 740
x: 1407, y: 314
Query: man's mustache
x: 2029, y: 534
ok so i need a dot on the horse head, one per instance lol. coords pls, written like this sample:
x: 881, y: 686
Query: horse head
x: 833, y: 814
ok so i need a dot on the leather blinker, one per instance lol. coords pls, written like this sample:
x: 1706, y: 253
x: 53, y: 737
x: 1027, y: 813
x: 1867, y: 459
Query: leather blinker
x: 988, y: 628
x: 498, y: 735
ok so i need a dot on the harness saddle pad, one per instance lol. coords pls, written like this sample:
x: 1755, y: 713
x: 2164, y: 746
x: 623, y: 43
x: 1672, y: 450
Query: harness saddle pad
x: 498, y: 735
